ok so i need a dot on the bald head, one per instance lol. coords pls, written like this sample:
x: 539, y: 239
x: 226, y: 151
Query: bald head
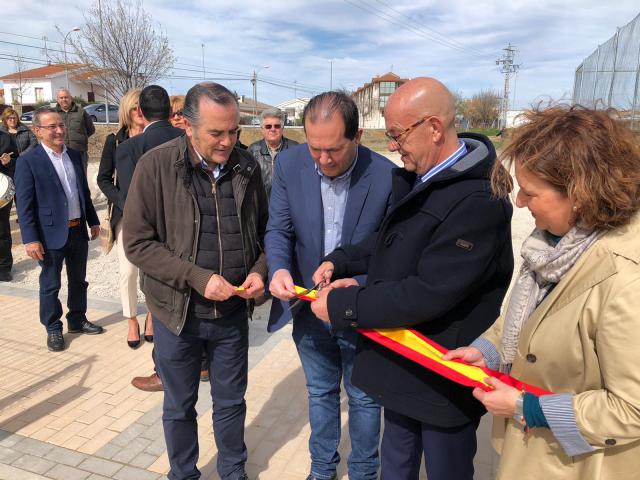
x: 425, y: 96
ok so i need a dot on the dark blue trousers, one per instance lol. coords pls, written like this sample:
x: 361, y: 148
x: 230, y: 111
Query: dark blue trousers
x: 448, y: 452
x: 178, y: 360
x: 6, y: 260
x: 74, y: 256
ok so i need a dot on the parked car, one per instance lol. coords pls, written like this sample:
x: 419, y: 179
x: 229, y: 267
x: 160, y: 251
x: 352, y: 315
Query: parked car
x: 26, y: 117
x: 98, y: 112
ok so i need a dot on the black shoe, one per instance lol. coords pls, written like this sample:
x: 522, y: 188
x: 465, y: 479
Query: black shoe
x: 134, y: 343
x: 5, y: 277
x: 87, y: 328
x: 147, y: 338
x: 313, y: 477
x: 55, y: 341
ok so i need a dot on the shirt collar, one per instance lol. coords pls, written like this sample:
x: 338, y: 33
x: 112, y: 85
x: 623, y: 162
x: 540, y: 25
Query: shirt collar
x: 50, y: 151
x: 205, y: 166
x: 448, y: 162
x: 149, y: 124
x: 344, y: 175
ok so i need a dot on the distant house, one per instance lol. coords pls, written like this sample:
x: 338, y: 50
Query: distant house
x: 249, y: 108
x: 293, y: 108
x: 372, y: 97
x: 30, y: 87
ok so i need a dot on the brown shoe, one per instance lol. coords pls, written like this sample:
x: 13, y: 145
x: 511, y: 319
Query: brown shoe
x: 152, y: 383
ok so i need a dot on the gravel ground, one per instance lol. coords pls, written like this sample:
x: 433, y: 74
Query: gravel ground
x: 102, y: 270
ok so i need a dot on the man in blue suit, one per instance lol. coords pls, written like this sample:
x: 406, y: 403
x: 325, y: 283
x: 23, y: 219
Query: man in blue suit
x: 54, y: 207
x: 327, y: 192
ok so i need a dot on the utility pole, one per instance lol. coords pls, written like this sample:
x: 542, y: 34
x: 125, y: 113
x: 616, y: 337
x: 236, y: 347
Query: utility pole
x: 331, y: 74
x: 254, y: 82
x: 204, y: 77
x: 507, y: 68
x: 295, y: 89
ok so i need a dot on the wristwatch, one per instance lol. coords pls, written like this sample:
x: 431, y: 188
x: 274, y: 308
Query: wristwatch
x: 518, y: 414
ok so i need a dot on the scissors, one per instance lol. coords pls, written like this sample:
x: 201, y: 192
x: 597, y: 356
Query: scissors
x: 318, y: 286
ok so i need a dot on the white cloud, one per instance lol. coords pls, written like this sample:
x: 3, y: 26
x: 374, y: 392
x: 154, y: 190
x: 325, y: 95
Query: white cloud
x: 363, y: 37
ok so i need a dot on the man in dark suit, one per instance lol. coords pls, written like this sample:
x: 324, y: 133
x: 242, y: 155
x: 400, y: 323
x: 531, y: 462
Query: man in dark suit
x: 440, y: 263
x: 155, y: 107
x: 325, y: 193
x: 54, y: 206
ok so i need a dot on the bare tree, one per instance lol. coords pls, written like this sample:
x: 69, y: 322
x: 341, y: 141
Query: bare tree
x: 23, y: 83
x: 482, y: 109
x: 121, y: 47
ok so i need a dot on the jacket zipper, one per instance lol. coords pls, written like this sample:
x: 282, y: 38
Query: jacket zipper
x: 214, y: 190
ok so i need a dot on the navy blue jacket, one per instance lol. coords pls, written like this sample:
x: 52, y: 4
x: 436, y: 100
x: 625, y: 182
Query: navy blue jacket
x: 295, y: 231
x: 42, y: 203
x: 441, y: 263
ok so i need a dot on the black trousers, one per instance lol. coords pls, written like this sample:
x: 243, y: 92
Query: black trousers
x: 6, y: 259
x: 179, y: 361
x: 448, y: 452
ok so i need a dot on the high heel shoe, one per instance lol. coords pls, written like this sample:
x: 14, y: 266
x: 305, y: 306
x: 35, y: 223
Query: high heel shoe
x: 134, y: 343
x: 147, y: 338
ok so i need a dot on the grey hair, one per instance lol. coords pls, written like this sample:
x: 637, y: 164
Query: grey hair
x: 62, y: 89
x: 42, y: 111
x: 213, y: 92
x: 272, y: 113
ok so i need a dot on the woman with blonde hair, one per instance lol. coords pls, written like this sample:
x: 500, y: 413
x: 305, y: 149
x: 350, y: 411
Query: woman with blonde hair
x: 572, y: 323
x: 177, y: 118
x: 22, y: 135
x: 130, y: 123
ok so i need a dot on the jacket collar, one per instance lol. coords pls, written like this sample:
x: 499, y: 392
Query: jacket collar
x: 594, y: 266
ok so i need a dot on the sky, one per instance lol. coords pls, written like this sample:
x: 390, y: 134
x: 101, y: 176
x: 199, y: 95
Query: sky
x: 310, y: 46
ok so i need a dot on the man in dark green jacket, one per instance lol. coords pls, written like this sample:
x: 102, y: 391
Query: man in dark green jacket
x: 78, y: 125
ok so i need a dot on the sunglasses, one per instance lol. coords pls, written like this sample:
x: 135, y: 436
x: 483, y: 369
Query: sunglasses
x: 177, y: 113
x: 269, y: 126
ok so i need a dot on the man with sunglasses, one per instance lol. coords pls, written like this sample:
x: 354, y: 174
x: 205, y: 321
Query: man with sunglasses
x: 54, y: 206
x: 440, y: 263
x: 265, y: 151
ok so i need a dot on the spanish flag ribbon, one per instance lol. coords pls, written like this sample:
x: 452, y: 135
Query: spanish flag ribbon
x: 420, y: 349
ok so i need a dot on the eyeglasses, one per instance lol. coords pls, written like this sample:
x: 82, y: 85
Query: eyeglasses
x: 177, y: 113
x: 396, y: 138
x: 275, y: 126
x: 53, y: 127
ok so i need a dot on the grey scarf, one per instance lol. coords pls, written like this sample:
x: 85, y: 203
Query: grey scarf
x: 545, y: 263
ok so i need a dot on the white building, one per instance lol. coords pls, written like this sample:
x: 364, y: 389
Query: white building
x: 30, y: 87
x: 515, y: 118
x: 372, y: 97
x: 293, y: 108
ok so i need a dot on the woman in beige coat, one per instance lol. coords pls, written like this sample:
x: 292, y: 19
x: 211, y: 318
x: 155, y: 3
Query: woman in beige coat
x: 572, y: 323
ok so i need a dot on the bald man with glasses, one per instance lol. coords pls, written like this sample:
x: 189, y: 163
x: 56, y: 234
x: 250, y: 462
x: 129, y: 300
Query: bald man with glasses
x: 265, y: 151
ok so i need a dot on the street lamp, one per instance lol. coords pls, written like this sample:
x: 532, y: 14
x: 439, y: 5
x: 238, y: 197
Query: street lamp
x: 330, y: 74
x: 254, y: 81
x: 64, y: 46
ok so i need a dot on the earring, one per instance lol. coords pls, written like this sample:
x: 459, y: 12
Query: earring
x: 575, y: 208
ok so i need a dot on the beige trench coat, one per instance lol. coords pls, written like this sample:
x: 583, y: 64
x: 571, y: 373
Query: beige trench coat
x: 584, y: 339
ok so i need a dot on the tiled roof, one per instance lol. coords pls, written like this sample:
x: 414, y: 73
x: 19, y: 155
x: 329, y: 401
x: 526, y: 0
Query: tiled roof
x: 42, y: 72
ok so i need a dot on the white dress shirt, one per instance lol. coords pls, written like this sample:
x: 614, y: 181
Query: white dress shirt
x: 67, y: 175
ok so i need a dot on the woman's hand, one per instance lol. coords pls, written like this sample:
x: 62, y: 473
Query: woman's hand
x: 470, y: 355
x: 501, y: 401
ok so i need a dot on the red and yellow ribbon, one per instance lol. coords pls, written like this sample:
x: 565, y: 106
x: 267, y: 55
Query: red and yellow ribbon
x: 420, y: 349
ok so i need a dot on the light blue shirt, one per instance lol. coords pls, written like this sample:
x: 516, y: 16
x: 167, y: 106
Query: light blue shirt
x: 216, y: 171
x: 334, y: 192
x: 67, y: 175
x: 451, y: 160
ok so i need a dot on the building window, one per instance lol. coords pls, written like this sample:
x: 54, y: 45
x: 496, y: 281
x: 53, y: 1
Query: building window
x: 39, y: 94
x: 383, y: 101
x: 387, y: 88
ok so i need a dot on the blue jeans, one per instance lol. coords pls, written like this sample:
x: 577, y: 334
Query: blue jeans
x: 74, y: 256
x: 178, y: 360
x: 326, y: 360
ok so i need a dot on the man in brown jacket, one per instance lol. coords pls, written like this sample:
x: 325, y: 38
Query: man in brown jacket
x: 194, y: 224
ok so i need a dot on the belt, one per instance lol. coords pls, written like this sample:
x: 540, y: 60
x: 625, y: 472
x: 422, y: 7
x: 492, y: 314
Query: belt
x: 74, y: 223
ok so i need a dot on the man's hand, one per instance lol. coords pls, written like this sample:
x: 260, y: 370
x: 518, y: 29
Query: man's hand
x: 323, y: 273
x: 95, y: 231
x: 501, y: 401
x: 252, y: 287
x: 35, y: 250
x: 219, y: 289
x: 319, y: 305
x: 467, y: 354
x: 5, y: 158
x: 281, y: 285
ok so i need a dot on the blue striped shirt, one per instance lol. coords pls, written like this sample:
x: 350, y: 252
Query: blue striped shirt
x: 451, y: 160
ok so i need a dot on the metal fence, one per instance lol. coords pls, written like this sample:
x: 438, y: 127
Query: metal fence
x: 610, y: 76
